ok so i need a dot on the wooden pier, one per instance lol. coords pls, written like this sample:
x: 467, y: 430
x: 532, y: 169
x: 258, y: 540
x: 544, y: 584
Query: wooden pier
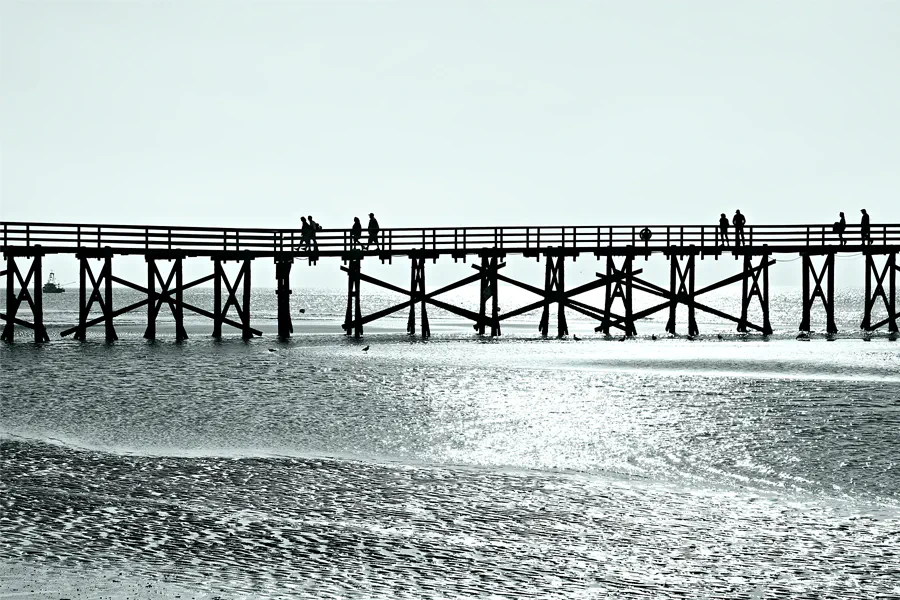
x: 617, y: 247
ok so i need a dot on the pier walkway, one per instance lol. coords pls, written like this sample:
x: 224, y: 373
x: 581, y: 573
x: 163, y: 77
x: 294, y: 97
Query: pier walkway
x: 24, y: 244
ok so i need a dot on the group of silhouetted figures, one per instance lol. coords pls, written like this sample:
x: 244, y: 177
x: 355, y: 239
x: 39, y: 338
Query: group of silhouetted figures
x: 738, y: 221
x: 309, y: 228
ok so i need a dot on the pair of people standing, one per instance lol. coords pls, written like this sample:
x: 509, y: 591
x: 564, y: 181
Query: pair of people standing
x: 738, y: 220
x: 356, y: 232
x: 865, y: 229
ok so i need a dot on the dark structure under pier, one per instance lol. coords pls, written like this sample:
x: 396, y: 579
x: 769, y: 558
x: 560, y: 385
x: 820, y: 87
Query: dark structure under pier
x: 165, y: 250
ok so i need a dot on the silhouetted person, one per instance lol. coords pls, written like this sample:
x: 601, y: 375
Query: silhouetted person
x: 313, y: 228
x: 738, y: 221
x: 304, y: 234
x: 840, y: 227
x: 355, y: 234
x: 723, y: 229
x: 864, y: 231
x: 373, y: 231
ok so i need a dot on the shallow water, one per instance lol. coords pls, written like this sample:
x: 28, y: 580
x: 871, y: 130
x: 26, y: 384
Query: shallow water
x: 451, y: 468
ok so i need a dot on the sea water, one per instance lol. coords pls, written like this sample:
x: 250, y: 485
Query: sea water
x: 727, y: 466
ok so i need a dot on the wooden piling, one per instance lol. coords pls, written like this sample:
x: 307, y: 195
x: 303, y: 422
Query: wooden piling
x: 218, y: 273
x: 554, y: 291
x: 9, y: 329
x: 818, y: 278
x: 752, y: 288
x: 283, y: 291
x: 417, y: 294
x: 353, y: 319
x: 621, y: 288
x: 682, y: 290
x: 888, y: 297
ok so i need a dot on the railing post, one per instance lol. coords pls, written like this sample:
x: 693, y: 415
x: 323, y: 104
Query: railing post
x: 98, y: 236
x: 27, y: 235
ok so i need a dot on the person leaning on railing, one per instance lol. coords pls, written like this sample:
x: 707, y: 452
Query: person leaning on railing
x: 738, y: 221
x: 722, y: 231
x: 865, y: 232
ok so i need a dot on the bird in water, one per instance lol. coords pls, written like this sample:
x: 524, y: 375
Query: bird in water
x: 365, y: 349
x: 302, y: 310
x: 576, y: 338
x: 272, y: 350
x: 720, y: 336
x: 653, y: 337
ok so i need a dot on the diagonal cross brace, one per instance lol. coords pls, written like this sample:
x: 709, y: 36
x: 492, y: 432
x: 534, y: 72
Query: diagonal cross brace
x: 646, y: 286
x: 888, y: 297
x: 565, y: 297
x: 15, y: 301
x: 428, y: 297
x: 171, y: 301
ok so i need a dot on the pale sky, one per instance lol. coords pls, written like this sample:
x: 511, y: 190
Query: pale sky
x: 448, y: 113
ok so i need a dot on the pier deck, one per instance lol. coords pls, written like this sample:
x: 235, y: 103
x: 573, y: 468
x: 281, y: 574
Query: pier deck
x: 24, y: 244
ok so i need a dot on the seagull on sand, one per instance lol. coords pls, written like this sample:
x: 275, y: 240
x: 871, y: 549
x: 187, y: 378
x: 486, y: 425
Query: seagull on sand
x: 365, y: 349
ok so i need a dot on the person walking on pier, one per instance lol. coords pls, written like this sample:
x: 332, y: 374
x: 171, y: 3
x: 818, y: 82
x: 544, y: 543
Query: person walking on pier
x: 738, y: 221
x: 864, y: 231
x: 355, y: 234
x: 840, y: 227
x: 304, y: 234
x: 373, y: 231
x: 313, y: 228
x: 723, y: 230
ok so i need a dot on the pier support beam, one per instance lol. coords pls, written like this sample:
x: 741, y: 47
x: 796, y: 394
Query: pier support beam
x: 690, y: 299
x: 889, y: 297
x: 753, y: 288
x: 620, y: 288
x: 87, y: 299
x: 489, y: 267
x: 681, y: 287
x: 554, y: 291
x: 353, y: 321
x: 15, y: 299
x: 820, y: 277
x: 166, y: 289
x: 283, y: 291
x: 242, y: 307
x: 417, y: 293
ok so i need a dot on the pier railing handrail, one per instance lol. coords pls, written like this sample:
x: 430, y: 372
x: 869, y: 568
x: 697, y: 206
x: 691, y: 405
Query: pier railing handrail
x: 202, y: 240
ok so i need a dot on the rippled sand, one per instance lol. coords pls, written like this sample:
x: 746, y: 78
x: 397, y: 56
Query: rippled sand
x: 450, y: 469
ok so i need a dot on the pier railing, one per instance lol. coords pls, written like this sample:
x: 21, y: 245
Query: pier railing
x: 133, y: 239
